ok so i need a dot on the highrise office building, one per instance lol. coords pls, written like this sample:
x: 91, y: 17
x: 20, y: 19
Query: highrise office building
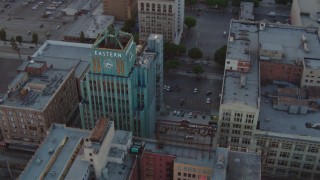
x: 121, y: 85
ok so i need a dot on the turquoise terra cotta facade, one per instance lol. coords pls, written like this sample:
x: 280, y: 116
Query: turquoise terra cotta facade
x: 119, y: 87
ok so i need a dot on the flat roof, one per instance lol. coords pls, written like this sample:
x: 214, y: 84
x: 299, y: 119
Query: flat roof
x: 239, y: 50
x: 233, y: 90
x: 246, y: 11
x: 243, y: 166
x: 121, y: 137
x: 146, y: 58
x: 41, y: 89
x: 78, y: 169
x: 289, y: 38
x: 59, y: 137
x: 282, y: 122
x: 90, y: 25
x: 312, y: 63
x: 65, y: 55
x: 119, y: 171
x: 186, y: 154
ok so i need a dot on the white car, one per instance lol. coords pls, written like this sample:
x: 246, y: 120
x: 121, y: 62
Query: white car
x: 195, y: 90
x: 165, y: 87
x: 174, y: 112
x: 178, y: 113
x: 208, y: 100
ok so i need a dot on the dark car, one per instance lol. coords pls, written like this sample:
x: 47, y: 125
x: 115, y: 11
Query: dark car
x: 209, y: 93
x: 194, y: 115
x: 41, y: 26
x: 182, y: 114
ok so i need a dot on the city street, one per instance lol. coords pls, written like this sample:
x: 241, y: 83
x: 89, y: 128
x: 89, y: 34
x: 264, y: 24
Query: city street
x: 186, y: 84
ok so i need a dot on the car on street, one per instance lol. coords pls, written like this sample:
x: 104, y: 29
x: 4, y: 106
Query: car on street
x: 195, y: 115
x: 182, y: 114
x: 174, y: 112
x: 165, y: 87
x: 208, y: 93
x: 195, y: 90
x: 208, y: 100
x: 178, y: 113
x: 190, y: 114
x: 203, y: 116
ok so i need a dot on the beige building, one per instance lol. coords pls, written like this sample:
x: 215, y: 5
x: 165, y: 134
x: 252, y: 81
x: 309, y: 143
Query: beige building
x: 311, y: 73
x: 121, y: 10
x: 305, y: 13
x: 279, y: 120
x: 164, y: 17
x: 36, y: 98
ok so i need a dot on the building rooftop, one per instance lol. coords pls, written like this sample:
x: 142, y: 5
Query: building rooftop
x: 312, y: 63
x: 272, y: 120
x: 246, y: 11
x: 121, y: 137
x: 187, y: 155
x: 90, y: 25
x: 58, y: 148
x: 290, y: 39
x: 78, y: 169
x: 65, y: 55
x: 242, y: 87
x: 146, y: 58
x: 118, y: 171
x: 243, y: 166
x: 37, y: 91
x: 239, y: 50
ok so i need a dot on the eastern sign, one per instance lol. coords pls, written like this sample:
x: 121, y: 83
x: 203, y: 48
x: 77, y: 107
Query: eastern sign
x: 107, y: 54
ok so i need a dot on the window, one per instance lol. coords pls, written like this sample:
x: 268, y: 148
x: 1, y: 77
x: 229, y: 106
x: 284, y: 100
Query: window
x: 295, y: 164
x: 299, y: 148
x: 237, y: 126
x: 234, y: 131
x: 272, y: 153
x: 284, y: 154
x: 297, y: 156
x: 310, y: 158
x: 282, y: 163
x: 274, y: 144
x: 235, y: 139
x: 261, y: 142
x: 179, y: 173
x: 270, y: 161
x: 308, y: 166
x: 286, y: 146
x: 305, y: 175
x: 313, y: 149
x: 293, y: 173
x: 247, y: 133
x: 248, y: 127
x: 245, y: 141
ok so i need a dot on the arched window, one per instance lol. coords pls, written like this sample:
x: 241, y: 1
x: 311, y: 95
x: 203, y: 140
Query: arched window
x: 147, y: 7
x: 164, y: 8
x: 170, y: 8
x: 153, y: 7
x: 142, y: 6
x: 159, y: 8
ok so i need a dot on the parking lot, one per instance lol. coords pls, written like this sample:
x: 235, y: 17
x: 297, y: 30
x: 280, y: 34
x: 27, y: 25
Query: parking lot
x: 182, y: 96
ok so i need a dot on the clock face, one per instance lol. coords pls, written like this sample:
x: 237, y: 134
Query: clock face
x: 108, y: 64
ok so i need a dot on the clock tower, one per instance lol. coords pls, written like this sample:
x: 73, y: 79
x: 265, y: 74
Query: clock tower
x: 113, y: 53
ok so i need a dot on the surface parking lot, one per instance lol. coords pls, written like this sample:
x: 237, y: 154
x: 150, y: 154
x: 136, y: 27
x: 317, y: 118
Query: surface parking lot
x: 183, y: 88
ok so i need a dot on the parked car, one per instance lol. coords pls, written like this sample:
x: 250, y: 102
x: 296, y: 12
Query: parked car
x: 209, y: 93
x: 190, y: 115
x: 194, y: 115
x: 208, y: 100
x: 195, y: 90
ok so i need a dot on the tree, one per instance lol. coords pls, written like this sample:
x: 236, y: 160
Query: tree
x: 170, y: 50
x: 238, y: 2
x: 35, y: 38
x: 220, y: 55
x: 172, y: 64
x: 3, y: 35
x: 182, y: 49
x: 19, y: 39
x: 198, y: 69
x: 284, y: 2
x: 195, y: 53
x: 219, y: 3
x: 190, y: 22
x: 82, y: 38
x: 13, y: 43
